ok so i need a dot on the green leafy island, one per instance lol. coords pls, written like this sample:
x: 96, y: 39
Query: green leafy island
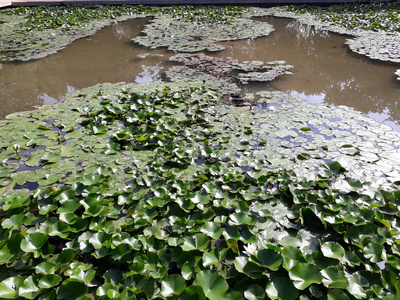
x: 34, y: 32
x: 367, y: 16
x: 375, y: 26
x: 131, y: 194
x: 187, y: 32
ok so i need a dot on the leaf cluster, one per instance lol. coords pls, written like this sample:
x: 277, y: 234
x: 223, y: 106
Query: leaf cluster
x: 51, y: 17
x: 372, y: 16
x: 189, y: 221
x: 38, y: 18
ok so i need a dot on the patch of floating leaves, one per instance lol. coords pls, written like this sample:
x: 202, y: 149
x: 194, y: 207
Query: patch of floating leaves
x: 243, y: 72
x: 35, y: 32
x: 374, y: 25
x: 366, y: 16
x: 164, y: 206
x: 177, y: 32
x: 384, y: 47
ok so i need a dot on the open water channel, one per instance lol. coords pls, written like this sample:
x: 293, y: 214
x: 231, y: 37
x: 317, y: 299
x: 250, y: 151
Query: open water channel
x: 325, y: 70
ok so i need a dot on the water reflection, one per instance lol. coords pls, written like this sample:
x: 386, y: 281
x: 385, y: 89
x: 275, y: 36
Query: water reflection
x: 107, y: 56
x: 325, y: 71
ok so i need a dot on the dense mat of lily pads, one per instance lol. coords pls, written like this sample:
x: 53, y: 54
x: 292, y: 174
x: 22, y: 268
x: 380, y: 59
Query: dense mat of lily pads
x: 367, y: 16
x: 35, y: 32
x: 375, y: 26
x: 133, y: 194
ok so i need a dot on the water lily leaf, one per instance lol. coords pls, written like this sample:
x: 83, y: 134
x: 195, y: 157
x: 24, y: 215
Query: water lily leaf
x: 243, y: 265
x: 214, y: 286
x: 69, y: 206
x: 49, y: 179
x: 9, y: 287
x: 99, y: 129
x: 268, y: 258
x: 113, y: 276
x: 212, y: 229
x: 92, y: 179
x: 51, y: 157
x: 5, y: 181
x: 336, y: 294
x: 303, y: 275
x: 172, y: 284
x: 332, y: 250
x: 231, y: 233
x: 373, y: 251
x: 281, y: 288
x: 33, y: 242
x: 13, y: 222
x: 214, y: 257
x: 4, y: 172
x: 59, y: 229
x: 66, y: 256
x: 333, y: 277
x: 30, y: 287
x: 334, y: 166
x: 71, y: 289
x: 49, y: 281
x: 243, y: 219
x: 291, y: 257
x: 193, y: 292
x: 202, y: 198
x: 356, y: 286
x: 254, y: 292
x: 187, y: 271
x: 45, y: 268
x: 199, y: 242
x: 98, y: 239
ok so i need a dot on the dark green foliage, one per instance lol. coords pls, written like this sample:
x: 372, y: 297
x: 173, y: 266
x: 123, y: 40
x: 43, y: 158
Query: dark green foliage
x: 187, y: 223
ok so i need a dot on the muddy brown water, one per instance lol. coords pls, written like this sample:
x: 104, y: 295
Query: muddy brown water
x: 325, y: 71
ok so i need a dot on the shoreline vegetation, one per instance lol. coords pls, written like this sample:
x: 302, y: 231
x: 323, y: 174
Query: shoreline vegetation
x: 164, y: 191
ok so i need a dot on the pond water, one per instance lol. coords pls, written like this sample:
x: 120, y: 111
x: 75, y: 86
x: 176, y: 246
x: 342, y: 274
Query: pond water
x: 325, y: 71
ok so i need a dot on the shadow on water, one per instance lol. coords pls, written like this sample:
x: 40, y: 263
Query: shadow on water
x: 325, y: 71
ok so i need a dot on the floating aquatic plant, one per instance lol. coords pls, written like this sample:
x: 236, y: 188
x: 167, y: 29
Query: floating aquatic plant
x: 232, y: 69
x: 181, y: 34
x: 165, y: 200
x: 374, y: 25
x: 384, y: 47
x: 366, y: 16
x: 35, y: 32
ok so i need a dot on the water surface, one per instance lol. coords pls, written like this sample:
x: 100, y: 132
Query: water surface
x: 107, y: 56
x: 325, y: 71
